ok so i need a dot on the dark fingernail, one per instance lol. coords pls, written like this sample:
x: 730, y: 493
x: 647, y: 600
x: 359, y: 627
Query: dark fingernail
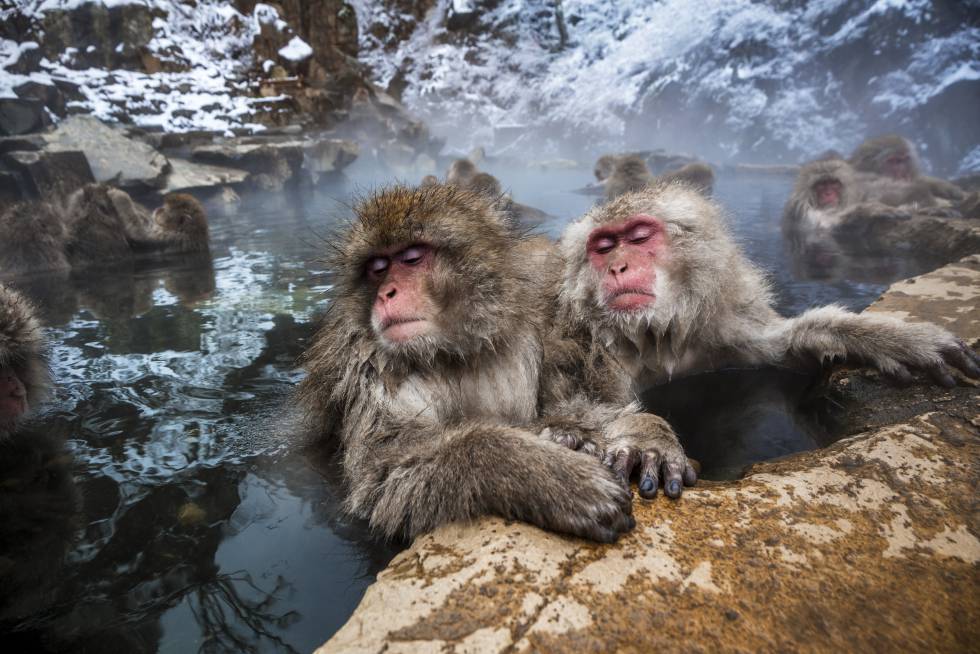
x: 646, y: 485
x: 631, y: 522
x: 674, y: 487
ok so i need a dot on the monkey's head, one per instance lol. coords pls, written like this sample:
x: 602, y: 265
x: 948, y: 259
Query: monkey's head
x: 461, y: 172
x: 825, y: 184
x: 604, y: 166
x: 429, y: 271
x: 890, y: 155
x: 646, y: 260
x: 24, y: 379
x: 486, y: 184
x: 182, y: 221
x: 429, y: 180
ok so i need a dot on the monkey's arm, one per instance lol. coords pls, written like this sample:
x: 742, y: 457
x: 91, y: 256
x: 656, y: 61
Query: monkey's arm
x: 409, y: 478
x: 890, y: 345
x: 943, y: 189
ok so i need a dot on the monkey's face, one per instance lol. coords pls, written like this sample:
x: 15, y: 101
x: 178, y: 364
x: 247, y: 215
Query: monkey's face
x: 403, y: 308
x: 182, y: 216
x: 604, y: 167
x: 898, y: 165
x: 625, y: 254
x: 827, y: 194
x: 429, y: 271
x: 13, y: 399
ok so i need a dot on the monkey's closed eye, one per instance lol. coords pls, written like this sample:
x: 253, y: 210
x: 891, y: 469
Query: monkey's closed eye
x: 603, y: 244
x: 377, y: 265
x: 414, y: 255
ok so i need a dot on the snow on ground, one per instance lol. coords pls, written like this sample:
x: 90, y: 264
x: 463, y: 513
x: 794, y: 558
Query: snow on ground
x: 762, y: 73
x: 210, y: 41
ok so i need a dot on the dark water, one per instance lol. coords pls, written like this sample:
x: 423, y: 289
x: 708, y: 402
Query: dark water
x: 181, y: 517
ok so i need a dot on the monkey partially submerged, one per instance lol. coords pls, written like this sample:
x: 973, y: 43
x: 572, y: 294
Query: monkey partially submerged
x: 655, y: 277
x: 24, y: 376
x: 894, y: 157
x: 105, y: 227
x: 432, y: 378
x: 628, y: 173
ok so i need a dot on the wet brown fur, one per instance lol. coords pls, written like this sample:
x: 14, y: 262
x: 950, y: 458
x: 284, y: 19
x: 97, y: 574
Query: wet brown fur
x: 22, y: 349
x: 870, y: 157
x: 32, y: 239
x: 465, y: 422
x: 714, y: 308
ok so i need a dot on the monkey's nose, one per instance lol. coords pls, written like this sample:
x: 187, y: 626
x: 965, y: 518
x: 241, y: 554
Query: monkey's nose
x: 387, y: 294
x: 618, y: 268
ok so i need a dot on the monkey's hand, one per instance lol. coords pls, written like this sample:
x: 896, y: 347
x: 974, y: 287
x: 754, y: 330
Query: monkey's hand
x: 571, y: 434
x: 646, y: 443
x: 892, y: 346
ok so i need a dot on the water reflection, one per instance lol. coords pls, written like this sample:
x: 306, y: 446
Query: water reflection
x: 202, y: 525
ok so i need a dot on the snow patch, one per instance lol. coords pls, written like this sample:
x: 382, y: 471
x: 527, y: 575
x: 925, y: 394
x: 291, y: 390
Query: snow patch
x: 296, y: 50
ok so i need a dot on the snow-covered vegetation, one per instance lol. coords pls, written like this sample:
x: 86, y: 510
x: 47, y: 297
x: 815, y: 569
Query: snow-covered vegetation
x: 730, y: 78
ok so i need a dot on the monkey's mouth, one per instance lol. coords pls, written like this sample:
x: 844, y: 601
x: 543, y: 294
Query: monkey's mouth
x: 629, y: 299
x: 403, y: 329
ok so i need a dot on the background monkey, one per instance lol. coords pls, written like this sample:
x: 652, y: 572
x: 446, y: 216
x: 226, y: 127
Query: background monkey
x: 24, y: 377
x: 656, y: 275
x: 630, y: 173
x: 894, y: 157
x: 32, y: 239
x: 431, y: 379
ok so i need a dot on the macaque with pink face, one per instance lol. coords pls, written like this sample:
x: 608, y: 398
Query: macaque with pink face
x: 656, y: 279
x: 894, y: 157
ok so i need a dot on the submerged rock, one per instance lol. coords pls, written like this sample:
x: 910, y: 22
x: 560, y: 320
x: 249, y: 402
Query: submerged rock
x: 871, y: 543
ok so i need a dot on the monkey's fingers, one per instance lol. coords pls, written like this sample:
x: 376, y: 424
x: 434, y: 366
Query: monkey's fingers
x: 690, y: 473
x: 622, y: 462
x: 650, y: 463
x: 941, y: 375
x: 964, y: 359
x: 673, y: 478
x: 592, y: 449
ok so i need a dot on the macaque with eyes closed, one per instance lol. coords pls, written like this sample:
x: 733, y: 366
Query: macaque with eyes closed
x: 655, y: 277
x: 433, y: 379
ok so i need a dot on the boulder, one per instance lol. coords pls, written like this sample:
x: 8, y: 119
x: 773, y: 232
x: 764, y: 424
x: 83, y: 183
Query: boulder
x: 101, y: 36
x: 22, y: 116
x: 185, y: 175
x: 272, y: 163
x: 872, y: 543
x: 938, y: 237
x: 126, y: 162
x: 46, y: 174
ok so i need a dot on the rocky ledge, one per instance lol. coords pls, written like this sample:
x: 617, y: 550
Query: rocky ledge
x: 871, y: 543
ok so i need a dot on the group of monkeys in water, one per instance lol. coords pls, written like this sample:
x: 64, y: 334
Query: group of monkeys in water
x: 466, y: 367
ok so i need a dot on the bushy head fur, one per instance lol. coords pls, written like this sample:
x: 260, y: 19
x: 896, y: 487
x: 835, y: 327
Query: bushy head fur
x: 830, y: 170
x: 870, y: 156
x: 700, y: 263
x: 183, y: 222
x: 22, y: 347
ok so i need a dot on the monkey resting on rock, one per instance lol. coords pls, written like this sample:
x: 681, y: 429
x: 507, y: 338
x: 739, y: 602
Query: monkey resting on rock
x: 432, y: 378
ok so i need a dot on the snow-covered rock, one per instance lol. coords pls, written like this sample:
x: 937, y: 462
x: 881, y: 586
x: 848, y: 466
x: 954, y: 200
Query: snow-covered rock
x: 741, y: 79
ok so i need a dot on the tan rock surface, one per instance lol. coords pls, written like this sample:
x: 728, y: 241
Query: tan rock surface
x: 870, y: 544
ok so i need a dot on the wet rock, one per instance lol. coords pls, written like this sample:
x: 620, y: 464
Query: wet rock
x: 126, y: 162
x: 185, y: 175
x: 47, y: 174
x: 826, y: 550
x: 22, y: 116
x: 274, y: 164
x: 942, y: 238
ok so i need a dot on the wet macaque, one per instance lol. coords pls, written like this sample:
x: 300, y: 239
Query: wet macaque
x: 604, y: 166
x: 823, y: 191
x: 696, y: 175
x: 431, y: 379
x: 486, y: 184
x: 24, y: 377
x: 105, y: 226
x: 461, y: 173
x: 657, y: 275
x: 32, y: 239
x: 894, y: 157
x: 629, y: 173
x: 429, y: 180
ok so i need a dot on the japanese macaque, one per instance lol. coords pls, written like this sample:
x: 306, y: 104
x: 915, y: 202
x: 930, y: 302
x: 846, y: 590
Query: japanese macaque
x: 656, y: 275
x: 24, y: 376
x: 895, y: 157
x: 486, y: 184
x: 431, y: 378
x: 32, y: 239
x: 429, y: 180
x: 604, y: 166
x: 698, y: 176
x: 105, y: 227
x: 629, y: 173
x: 461, y: 173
